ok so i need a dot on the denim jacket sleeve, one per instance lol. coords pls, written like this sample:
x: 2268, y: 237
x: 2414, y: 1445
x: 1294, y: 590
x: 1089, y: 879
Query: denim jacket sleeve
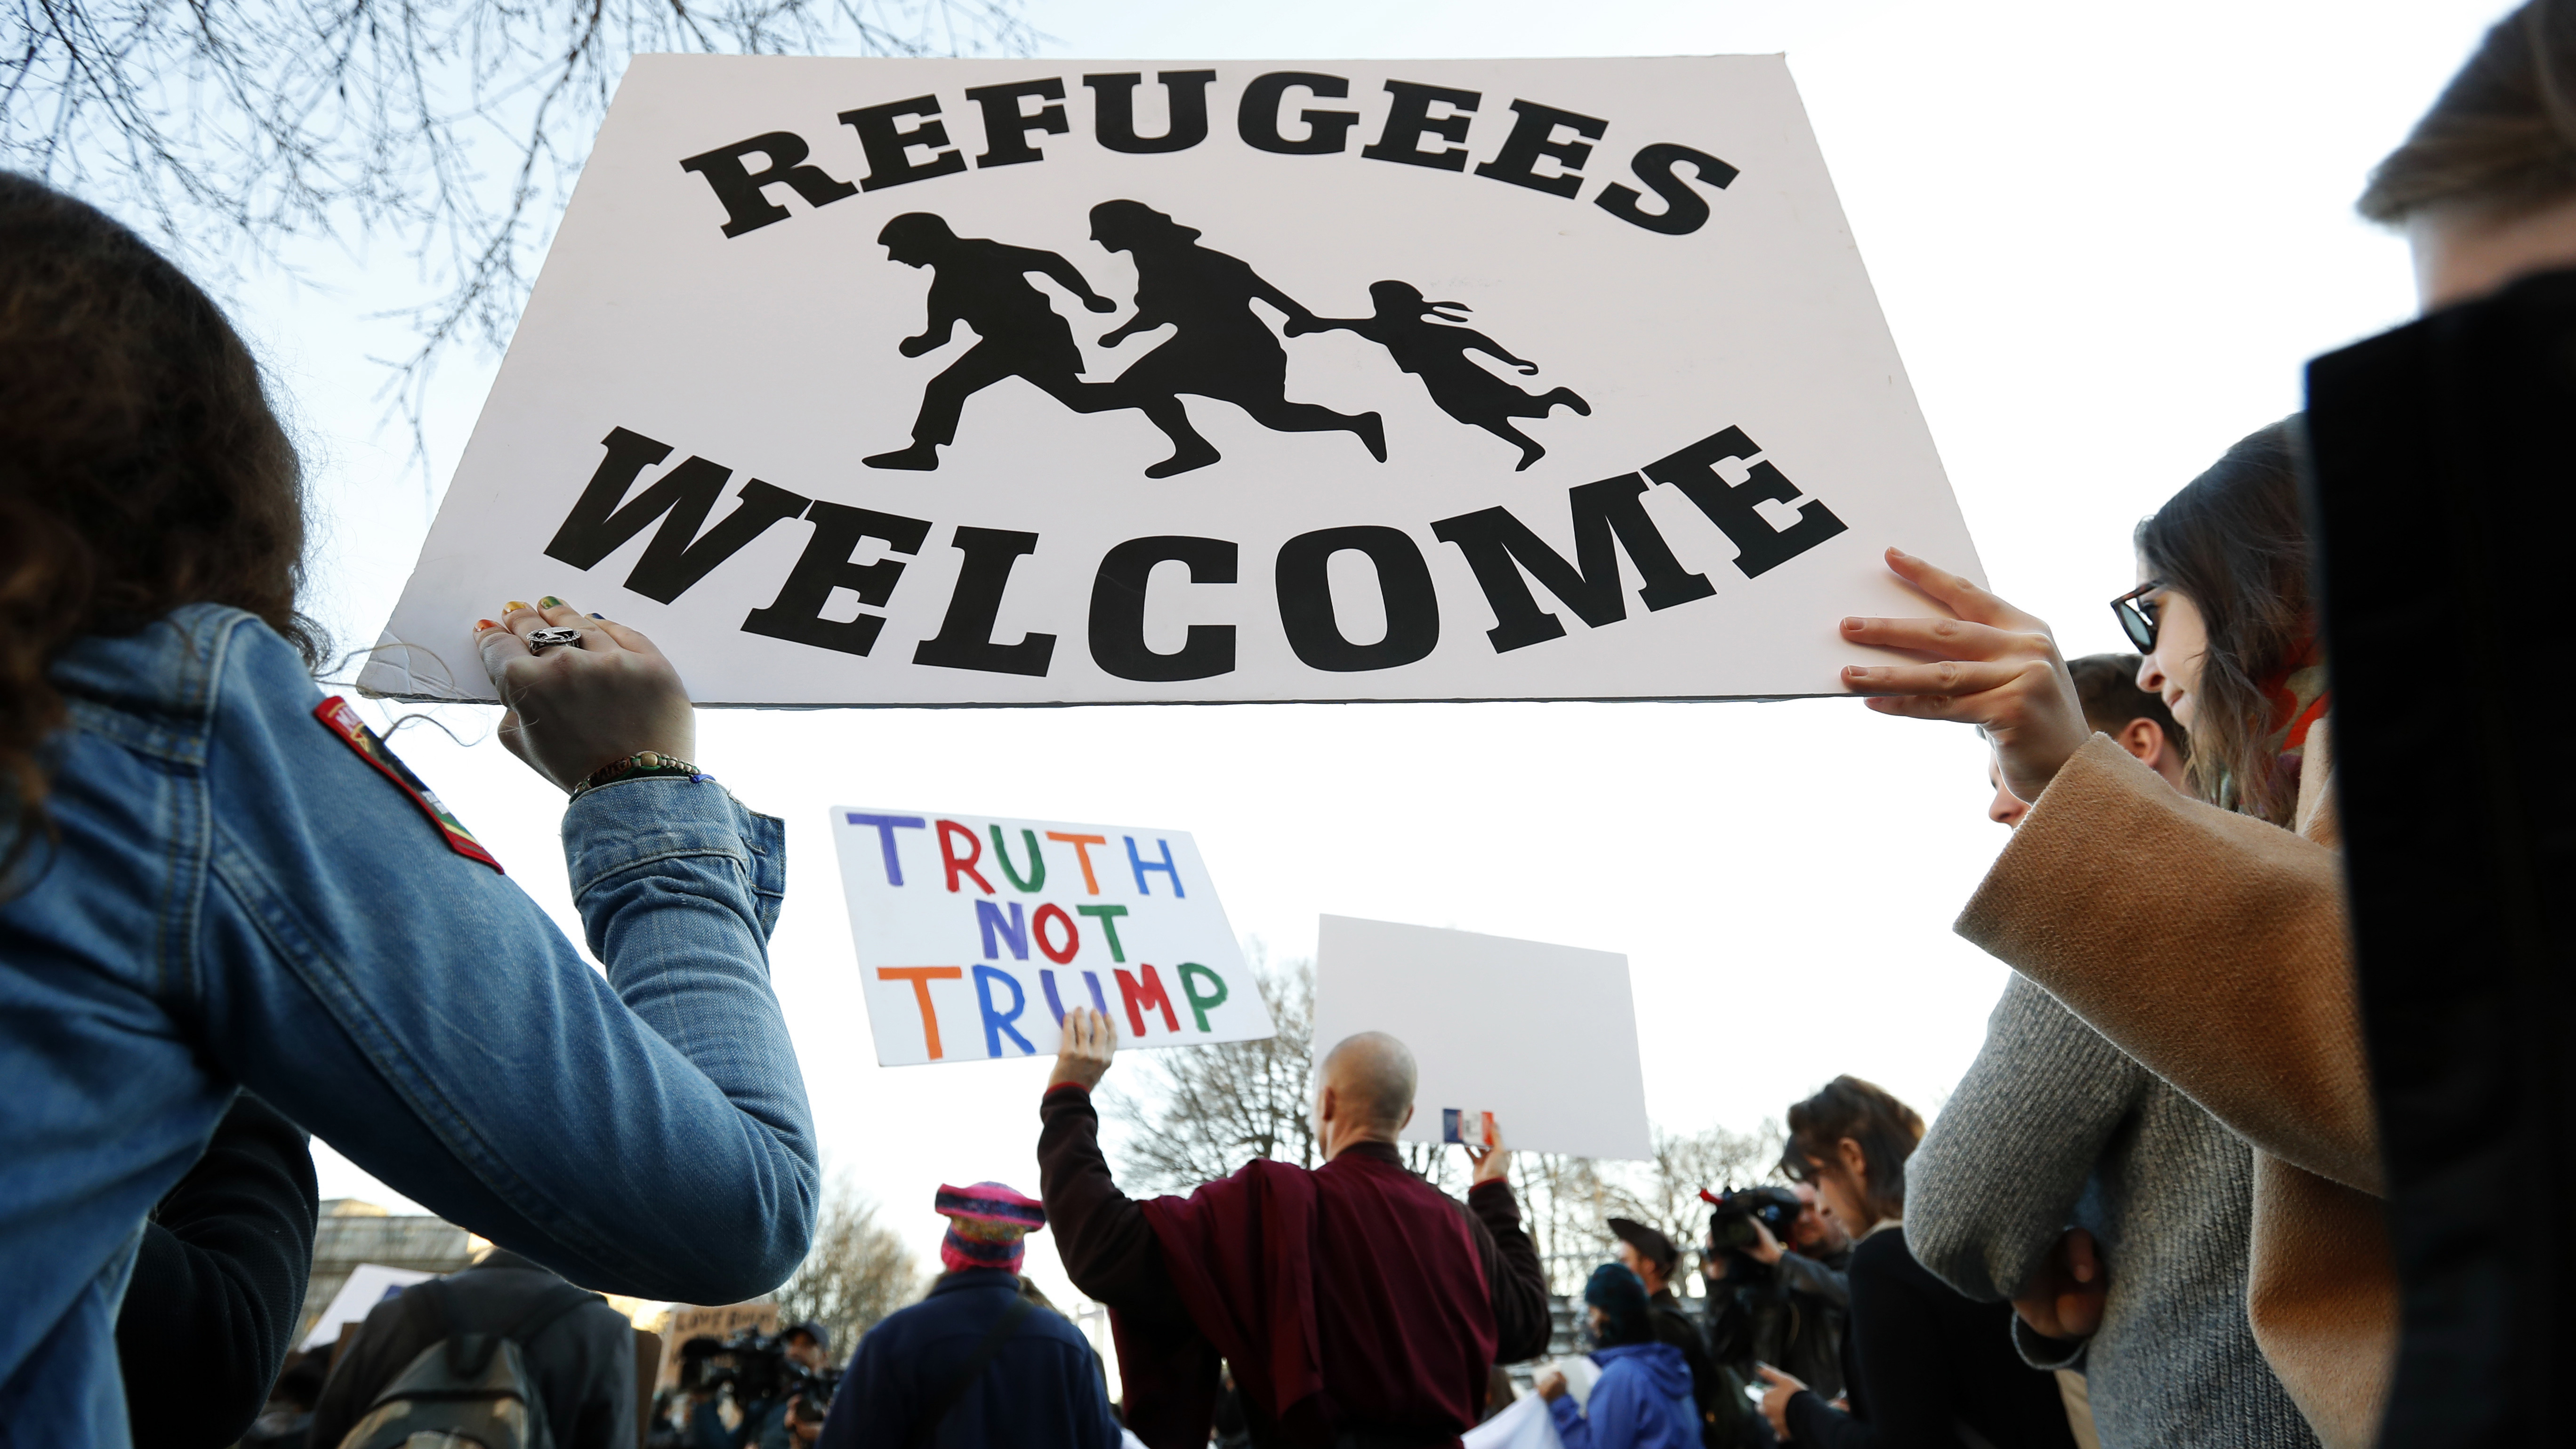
x: 646, y: 1134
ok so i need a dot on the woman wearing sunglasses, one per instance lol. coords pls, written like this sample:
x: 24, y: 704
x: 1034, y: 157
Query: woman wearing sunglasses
x: 2204, y: 937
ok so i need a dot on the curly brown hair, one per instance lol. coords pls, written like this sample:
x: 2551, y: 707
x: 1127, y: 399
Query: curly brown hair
x: 140, y: 469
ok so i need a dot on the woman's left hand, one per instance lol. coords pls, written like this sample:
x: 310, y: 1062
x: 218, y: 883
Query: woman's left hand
x: 1775, y: 1399
x: 1996, y: 667
x: 572, y: 708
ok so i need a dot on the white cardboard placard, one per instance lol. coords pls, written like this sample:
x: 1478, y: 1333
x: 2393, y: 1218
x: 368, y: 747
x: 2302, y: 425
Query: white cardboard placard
x: 1633, y: 275
x: 367, y: 1285
x: 1544, y: 1037
x: 976, y: 934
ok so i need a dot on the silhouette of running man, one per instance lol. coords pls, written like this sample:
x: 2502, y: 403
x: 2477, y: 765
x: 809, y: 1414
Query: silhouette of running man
x: 1436, y: 352
x: 1222, y: 350
x: 985, y: 285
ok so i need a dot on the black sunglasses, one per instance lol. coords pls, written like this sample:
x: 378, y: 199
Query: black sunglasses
x: 2138, y: 616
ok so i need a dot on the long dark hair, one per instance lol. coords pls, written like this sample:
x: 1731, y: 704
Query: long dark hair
x: 1887, y: 1130
x: 2235, y: 542
x: 2502, y: 138
x: 140, y: 468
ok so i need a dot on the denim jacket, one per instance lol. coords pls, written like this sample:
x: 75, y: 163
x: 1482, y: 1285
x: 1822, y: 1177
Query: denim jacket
x: 237, y: 898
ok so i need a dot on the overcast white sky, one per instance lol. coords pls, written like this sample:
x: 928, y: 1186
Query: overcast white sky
x: 2106, y: 239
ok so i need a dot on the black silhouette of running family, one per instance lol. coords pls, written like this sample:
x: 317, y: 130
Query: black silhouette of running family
x: 1220, y: 347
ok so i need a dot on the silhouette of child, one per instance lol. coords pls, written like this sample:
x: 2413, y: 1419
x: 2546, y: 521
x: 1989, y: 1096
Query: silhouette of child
x: 1425, y: 339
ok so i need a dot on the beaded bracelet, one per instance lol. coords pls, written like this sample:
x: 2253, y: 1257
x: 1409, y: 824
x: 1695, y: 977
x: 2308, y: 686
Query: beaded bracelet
x: 646, y: 764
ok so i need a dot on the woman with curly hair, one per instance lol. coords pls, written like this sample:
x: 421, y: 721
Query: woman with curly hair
x: 216, y: 878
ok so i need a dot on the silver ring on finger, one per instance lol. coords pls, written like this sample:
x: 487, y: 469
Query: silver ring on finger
x: 541, y: 640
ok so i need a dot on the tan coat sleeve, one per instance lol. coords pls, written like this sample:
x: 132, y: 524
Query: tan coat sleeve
x: 2208, y: 945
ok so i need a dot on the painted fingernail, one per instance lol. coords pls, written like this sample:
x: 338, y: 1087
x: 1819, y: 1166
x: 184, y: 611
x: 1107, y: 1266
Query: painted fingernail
x: 599, y: 616
x: 549, y: 602
x: 512, y: 607
x: 482, y: 624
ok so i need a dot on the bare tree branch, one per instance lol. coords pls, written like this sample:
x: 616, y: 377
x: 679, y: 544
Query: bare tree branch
x: 1209, y: 1110
x: 857, y: 1272
x: 454, y: 128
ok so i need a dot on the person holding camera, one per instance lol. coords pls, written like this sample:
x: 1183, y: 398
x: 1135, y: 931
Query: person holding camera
x: 1767, y: 1303
x: 797, y: 1418
x: 1923, y: 1365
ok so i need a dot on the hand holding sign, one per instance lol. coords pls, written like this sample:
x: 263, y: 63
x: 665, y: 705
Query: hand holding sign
x: 1491, y: 1163
x: 1999, y: 669
x: 1090, y: 1040
x: 572, y: 708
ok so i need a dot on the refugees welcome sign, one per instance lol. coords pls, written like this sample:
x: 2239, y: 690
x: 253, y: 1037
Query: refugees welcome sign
x: 1002, y: 382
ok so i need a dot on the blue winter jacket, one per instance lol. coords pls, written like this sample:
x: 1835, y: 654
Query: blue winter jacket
x: 1043, y: 1390
x: 1641, y: 1401
x: 238, y: 897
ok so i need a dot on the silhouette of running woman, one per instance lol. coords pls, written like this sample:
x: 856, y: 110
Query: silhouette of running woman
x: 985, y: 285
x: 1436, y: 352
x: 1222, y: 349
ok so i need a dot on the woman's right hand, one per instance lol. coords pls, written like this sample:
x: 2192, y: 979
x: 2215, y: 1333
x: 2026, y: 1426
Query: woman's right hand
x: 574, y: 708
x: 1997, y: 667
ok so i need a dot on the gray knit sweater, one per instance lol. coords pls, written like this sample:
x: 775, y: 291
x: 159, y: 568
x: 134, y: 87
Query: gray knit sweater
x: 2055, y: 1127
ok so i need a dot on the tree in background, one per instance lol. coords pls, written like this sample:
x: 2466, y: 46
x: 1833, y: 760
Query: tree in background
x: 1205, y: 1111
x: 453, y: 127
x: 857, y: 1272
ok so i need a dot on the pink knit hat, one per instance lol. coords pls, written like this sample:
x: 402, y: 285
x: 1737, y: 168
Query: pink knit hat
x: 986, y: 1223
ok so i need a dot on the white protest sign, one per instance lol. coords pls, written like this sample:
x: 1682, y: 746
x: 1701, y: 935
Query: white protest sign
x: 1526, y: 1423
x: 367, y: 1285
x: 1543, y: 1037
x: 976, y: 934
x: 866, y: 381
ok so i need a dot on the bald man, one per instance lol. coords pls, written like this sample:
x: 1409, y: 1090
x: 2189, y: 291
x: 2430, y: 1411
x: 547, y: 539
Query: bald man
x: 1358, y: 1305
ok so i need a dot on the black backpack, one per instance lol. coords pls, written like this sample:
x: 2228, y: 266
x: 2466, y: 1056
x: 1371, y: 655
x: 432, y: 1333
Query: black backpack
x: 466, y: 1390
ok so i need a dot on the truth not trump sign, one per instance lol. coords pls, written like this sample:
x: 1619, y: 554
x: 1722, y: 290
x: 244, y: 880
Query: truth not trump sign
x: 976, y: 935
x: 1008, y: 382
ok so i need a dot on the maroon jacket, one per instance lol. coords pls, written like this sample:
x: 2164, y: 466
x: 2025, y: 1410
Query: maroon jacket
x: 1352, y: 1299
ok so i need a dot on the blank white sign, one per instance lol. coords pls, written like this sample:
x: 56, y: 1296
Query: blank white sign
x: 1544, y: 1037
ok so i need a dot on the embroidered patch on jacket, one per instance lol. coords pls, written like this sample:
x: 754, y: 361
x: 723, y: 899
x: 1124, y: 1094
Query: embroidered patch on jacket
x: 344, y: 722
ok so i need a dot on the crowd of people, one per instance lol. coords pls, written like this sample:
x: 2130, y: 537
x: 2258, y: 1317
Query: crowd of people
x: 2153, y: 1214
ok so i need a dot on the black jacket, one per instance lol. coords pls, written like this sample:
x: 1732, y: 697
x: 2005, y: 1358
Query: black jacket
x: 219, y: 1283
x: 583, y: 1362
x: 1673, y: 1325
x: 1790, y: 1315
x: 2441, y: 455
x: 1921, y: 1359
